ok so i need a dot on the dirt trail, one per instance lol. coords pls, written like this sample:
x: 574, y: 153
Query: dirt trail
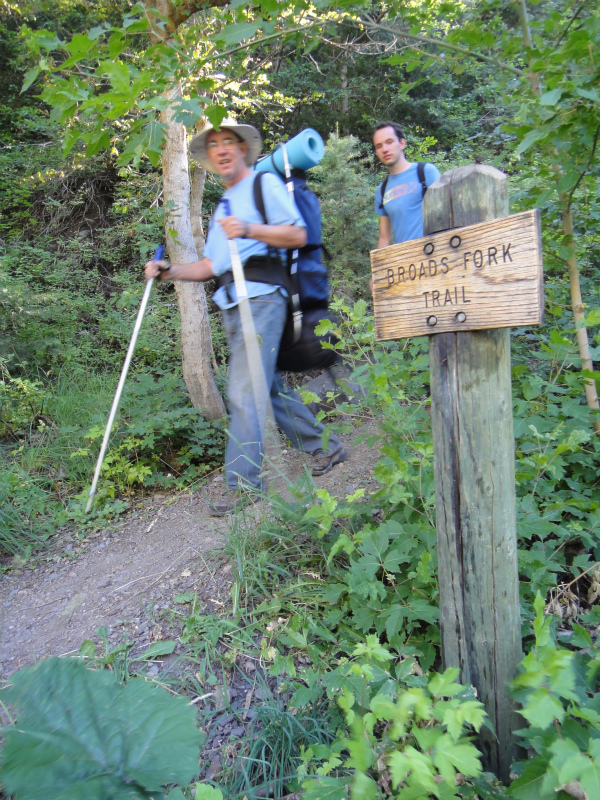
x: 121, y: 577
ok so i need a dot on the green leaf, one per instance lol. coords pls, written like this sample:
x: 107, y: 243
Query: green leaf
x: 589, y: 95
x: 449, y: 757
x: 363, y: 787
x: 409, y: 761
x: 72, y: 135
x: 592, y: 317
x: 118, y: 74
x: 590, y: 778
x: 237, y: 32
x: 116, y: 44
x: 215, y: 114
x: 96, y: 141
x: 551, y: 98
x: 184, y: 597
x: 96, y: 33
x: 565, y: 252
x: 568, y: 181
x: 542, y: 709
x: 533, y: 136
x: 394, y: 618
x: 324, y: 788
x: 30, y: 76
x: 206, y: 792
x: 566, y: 764
x: 443, y: 684
x: 158, y: 649
x: 581, y: 637
x: 42, y: 38
x: 469, y: 712
x: 421, y: 609
x: 80, y: 733
x: 529, y: 785
x: 79, y: 46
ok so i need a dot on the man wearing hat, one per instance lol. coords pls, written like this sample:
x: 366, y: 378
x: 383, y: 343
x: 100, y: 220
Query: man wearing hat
x: 229, y: 152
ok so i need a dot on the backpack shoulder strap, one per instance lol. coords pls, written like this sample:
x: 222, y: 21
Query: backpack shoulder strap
x: 259, y: 200
x: 383, y: 188
x: 421, y: 176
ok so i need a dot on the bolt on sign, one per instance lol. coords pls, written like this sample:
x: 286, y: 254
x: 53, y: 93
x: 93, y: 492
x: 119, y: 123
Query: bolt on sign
x: 481, y: 276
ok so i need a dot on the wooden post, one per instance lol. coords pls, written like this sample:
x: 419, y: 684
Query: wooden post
x: 475, y: 482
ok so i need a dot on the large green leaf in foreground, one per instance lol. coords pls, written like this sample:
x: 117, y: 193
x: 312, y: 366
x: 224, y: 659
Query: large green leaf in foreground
x: 81, y: 734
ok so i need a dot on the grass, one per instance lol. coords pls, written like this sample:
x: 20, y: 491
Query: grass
x: 269, y: 555
x: 38, y: 477
x: 268, y: 765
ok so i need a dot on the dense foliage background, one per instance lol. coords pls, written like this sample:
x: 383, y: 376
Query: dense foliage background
x: 81, y: 209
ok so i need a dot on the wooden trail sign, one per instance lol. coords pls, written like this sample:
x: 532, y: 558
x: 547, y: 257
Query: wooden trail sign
x: 487, y: 275
x: 472, y: 426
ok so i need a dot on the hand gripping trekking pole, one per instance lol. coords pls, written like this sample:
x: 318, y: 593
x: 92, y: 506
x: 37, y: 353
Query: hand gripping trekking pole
x: 160, y: 251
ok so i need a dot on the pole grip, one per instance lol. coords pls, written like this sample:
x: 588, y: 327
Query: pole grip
x: 226, y: 206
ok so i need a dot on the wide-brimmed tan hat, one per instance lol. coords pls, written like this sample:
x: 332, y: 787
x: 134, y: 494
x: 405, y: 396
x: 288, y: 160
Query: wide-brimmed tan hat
x: 246, y: 132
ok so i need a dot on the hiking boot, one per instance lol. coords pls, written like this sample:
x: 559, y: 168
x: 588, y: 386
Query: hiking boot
x: 232, y: 503
x: 325, y: 462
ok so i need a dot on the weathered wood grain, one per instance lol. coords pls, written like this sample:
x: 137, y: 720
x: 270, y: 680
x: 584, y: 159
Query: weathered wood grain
x: 490, y: 276
x: 475, y: 483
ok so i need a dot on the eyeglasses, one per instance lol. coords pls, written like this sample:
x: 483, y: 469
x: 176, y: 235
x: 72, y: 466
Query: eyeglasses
x: 226, y: 143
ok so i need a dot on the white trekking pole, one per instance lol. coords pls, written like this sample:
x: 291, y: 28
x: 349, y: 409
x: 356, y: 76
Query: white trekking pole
x: 260, y: 389
x: 160, y: 251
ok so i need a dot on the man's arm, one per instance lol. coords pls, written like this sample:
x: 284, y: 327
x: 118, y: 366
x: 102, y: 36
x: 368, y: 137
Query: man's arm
x: 385, y: 232
x: 196, y: 271
x: 288, y: 236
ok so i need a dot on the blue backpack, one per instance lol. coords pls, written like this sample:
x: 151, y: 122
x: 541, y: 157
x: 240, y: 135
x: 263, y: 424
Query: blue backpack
x: 311, y: 273
x: 309, y: 286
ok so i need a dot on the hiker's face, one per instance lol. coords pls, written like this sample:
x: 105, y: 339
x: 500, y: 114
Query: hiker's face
x: 388, y: 148
x: 226, y: 154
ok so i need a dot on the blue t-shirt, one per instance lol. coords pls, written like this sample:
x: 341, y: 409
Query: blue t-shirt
x: 279, y: 210
x: 403, y: 200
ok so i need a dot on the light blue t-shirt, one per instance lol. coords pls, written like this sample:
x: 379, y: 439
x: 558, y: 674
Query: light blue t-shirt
x: 403, y: 200
x: 279, y: 210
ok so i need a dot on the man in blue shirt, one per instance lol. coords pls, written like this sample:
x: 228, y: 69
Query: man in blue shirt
x: 229, y: 152
x: 399, y: 209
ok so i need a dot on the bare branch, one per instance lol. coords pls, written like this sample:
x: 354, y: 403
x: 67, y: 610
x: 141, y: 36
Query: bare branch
x: 430, y: 40
x: 586, y: 170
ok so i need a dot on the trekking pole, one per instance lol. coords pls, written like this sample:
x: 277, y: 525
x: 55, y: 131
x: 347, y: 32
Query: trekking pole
x: 160, y: 251
x: 260, y: 389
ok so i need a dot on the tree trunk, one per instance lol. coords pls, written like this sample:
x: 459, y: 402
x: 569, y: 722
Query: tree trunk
x: 196, y: 340
x: 187, y: 239
x: 196, y: 196
x: 591, y: 390
x: 344, y: 86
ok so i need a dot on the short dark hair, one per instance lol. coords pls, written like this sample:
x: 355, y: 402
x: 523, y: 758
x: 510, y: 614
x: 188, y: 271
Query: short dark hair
x: 397, y: 128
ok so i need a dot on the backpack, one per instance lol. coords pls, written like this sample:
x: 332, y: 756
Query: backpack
x: 420, y: 176
x: 312, y: 278
x: 301, y: 348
